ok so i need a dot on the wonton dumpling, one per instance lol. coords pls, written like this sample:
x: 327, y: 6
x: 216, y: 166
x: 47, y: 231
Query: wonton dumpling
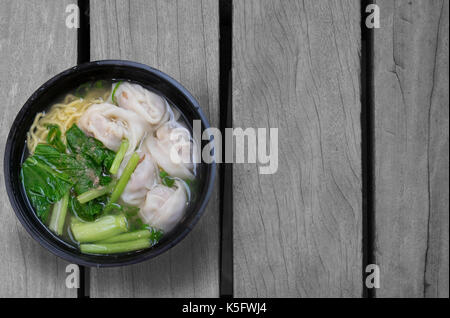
x: 111, y: 124
x: 141, y: 181
x: 171, y: 149
x: 164, y: 206
x: 149, y: 106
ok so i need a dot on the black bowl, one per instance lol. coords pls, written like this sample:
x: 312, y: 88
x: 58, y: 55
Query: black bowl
x: 45, y: 96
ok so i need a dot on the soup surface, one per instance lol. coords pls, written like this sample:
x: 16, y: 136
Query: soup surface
x: 110, y: 167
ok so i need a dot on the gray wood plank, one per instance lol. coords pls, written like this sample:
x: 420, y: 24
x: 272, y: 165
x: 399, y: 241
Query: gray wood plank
x: 411, y: 148
x: 181, y: 39
x: 296, y: 67
x: 34, y: 46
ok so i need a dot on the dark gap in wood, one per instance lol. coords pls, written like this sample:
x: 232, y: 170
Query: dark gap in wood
x: 367, y: 146
x: 226, y: 169
x: 84, y: 288
x: 84, y: 36
x: 83, y: 56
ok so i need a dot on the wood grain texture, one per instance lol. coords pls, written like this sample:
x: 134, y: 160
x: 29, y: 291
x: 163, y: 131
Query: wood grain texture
x: 181, y: 39
x: 34, y: 46
x: 296, y: 67
x: 411, y: 148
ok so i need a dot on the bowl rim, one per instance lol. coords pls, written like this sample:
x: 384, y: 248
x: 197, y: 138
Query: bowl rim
x: 19, y: 210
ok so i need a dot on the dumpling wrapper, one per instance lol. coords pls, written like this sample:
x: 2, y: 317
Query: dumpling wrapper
x: 164, y: 207
x: 111, y: 124
x: 173, y: 150
x: 149, y: 106
x: 142, y: 180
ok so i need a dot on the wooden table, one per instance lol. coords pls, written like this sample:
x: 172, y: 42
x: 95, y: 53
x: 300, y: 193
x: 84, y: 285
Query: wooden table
x: 363, y: 122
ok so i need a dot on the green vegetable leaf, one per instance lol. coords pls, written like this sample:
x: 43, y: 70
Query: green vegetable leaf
x: 89, y: 147
x: 156, y: 235
x: 84, y: 173
x: 51, y: 172
x: 44, y: 185
x: 88, y: 211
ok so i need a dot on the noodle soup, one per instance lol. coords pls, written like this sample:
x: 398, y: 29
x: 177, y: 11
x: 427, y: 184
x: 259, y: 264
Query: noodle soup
x: 110, y: 167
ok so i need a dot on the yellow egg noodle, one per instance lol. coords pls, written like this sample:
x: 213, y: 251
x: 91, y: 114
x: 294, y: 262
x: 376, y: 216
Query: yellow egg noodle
x: 63, y: 114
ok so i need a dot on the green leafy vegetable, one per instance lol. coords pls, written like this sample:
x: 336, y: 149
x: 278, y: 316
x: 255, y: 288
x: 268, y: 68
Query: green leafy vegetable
x: 44, y: 185
x: 84, y: 173
x: 52, y: 171
x: 88, y: 211
x: 156, y: 235
x: 88, y: 147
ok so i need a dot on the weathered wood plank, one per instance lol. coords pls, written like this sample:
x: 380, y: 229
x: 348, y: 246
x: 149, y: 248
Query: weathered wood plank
x: 411, y: 147
x: 181, y: 39
x: 296, y: 67
x: 34, y: 45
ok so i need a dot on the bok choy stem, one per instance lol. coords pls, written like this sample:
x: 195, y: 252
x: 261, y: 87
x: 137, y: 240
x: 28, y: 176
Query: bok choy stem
x: 59, y: 214
x: 95, y: 193
x: 101, y: 229
x: 123, y: 180
x: 130, y: 236
x: 119, y: 157
x: 111, y: 248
